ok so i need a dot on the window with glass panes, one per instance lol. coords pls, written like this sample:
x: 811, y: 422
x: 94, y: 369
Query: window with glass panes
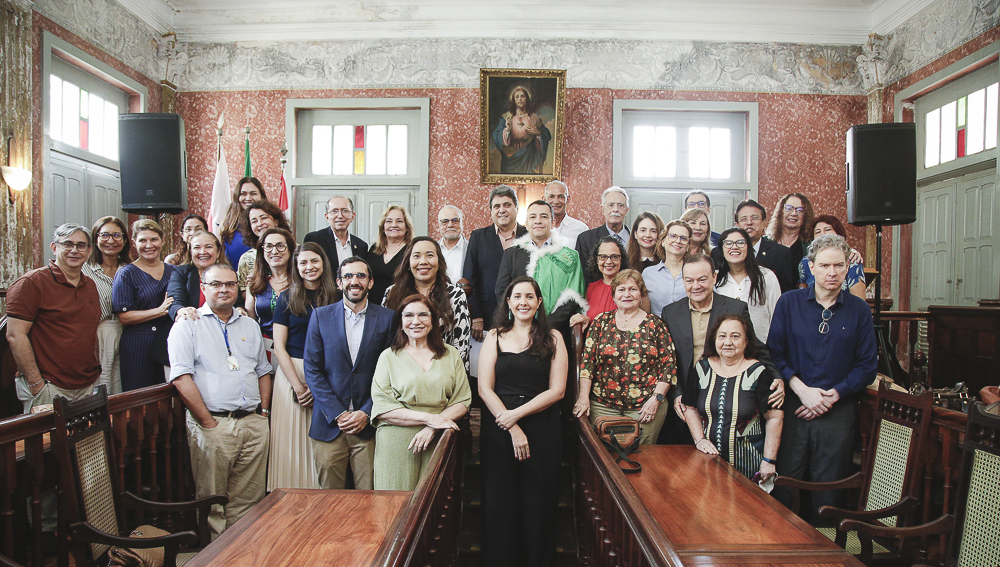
x: 356, y: 143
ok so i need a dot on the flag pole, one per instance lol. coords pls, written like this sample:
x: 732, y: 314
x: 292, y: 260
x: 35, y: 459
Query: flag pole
x: 247, y: 172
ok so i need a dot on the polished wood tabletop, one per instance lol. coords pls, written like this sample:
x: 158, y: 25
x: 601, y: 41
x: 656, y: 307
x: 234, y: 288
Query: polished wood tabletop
x: 712, y: 514
x: 307, y: 528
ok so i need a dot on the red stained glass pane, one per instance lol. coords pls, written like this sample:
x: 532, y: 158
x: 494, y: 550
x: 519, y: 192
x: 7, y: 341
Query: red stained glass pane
x: 84, y: 137
x: 359, y: 137
x: 961, y: 143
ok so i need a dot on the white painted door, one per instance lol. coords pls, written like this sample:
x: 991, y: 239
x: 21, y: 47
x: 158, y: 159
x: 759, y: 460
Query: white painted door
x: 669, y: 205
x: 80, y: 192
x: 976, y: 275
x: 369, y: 204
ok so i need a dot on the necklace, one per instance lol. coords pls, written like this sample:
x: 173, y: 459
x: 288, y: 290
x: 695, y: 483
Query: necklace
x: 275, y: 279
x: 394, y: 250
x: 627, y: 320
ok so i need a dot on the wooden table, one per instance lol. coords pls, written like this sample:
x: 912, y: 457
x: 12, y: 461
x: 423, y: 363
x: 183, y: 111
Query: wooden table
x: 712, y: 514
x: 307, y: 528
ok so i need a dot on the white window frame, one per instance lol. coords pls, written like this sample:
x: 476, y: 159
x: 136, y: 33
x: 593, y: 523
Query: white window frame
x: 622, y: 175
x: 417, y: 166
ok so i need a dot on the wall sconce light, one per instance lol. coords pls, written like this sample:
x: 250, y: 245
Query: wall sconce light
x: 17, y: 178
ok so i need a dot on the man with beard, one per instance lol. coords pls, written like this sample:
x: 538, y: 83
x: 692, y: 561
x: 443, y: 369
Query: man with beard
x: 343, y: 344
x: 453, y: 244
x: 614, y: 206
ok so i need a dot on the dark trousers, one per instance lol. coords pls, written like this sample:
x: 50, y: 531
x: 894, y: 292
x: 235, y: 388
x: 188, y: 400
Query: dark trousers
x: 821, y: 448
x: 520, y: 498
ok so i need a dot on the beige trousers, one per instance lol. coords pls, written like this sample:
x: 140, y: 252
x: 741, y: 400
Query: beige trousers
x: 229, y: 459
x: 48, y: 391
x: 332, y: 457
x: 650, y: 431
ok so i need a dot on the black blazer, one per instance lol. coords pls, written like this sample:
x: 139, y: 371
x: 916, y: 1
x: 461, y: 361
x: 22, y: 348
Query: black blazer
x: 772, y: 256
x: 482, y: 264
x: 677, y: 316
x: 184, y: 287
x: 325, y: 238
x: 585, y: 245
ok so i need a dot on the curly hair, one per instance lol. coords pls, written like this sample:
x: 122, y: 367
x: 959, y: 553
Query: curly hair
x: 774, y: 226
x: 594, y: 266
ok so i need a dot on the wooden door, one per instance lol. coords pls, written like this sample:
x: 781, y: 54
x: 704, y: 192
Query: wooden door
x: 977, y: 273
x: 933, y: 277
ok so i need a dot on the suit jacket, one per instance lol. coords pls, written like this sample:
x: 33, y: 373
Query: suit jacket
x: 585, y: 245
x: 772, y: 256
x: 184, y: 287
x: 335, y: 383
x: 325, y: 238
x: 677, y: 316
x: 482, y: 264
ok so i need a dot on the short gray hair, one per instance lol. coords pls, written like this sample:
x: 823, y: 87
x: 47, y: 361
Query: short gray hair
x: 828, y: 241
x: 64, y: 230
x: 557, y: 182
x: 461, y: 215
x: 501, y: 191
x: 614, y: 189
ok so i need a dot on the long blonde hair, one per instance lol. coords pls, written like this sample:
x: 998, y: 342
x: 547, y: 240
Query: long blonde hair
x: 706, y: 245
x: 383, y: 241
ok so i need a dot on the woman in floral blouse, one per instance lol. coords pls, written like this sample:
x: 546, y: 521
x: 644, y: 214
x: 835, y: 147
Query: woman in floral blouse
x: 628, y: 361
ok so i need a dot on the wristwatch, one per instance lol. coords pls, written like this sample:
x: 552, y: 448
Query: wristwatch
x: 660, y: 397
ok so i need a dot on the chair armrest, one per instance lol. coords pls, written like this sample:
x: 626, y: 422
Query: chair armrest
x: 943, y: 525
x: 87, y: 533
x: 854, y: 481
x: 905, y: 506
x: 133, y: 502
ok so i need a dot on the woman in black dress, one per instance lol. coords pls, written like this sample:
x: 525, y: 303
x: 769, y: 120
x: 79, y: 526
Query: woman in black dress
x: 395, y: 230
x: 522, y: 376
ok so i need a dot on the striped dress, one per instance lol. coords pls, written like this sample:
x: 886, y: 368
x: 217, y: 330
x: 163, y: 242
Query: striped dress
x: 732, y: 410
x: 135, y: 290
x: 109, y: 332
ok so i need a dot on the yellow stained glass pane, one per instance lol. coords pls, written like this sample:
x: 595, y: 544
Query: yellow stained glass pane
x: 359, y: 162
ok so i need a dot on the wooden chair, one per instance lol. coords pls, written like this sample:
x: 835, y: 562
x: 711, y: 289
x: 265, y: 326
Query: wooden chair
x: 95, y: 501
x: 891, y: 470
x: 975, y: 526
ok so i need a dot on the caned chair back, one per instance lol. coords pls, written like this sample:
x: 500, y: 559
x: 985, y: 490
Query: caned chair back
x: 976, y: 540
x: 895, y: 460
x: 86, y: 453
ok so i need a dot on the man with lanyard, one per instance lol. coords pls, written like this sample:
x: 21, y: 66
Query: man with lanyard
x: 221, y: 372
x: 822, y: 341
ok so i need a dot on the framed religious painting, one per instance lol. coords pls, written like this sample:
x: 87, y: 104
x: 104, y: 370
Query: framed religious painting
x: 521, y: 118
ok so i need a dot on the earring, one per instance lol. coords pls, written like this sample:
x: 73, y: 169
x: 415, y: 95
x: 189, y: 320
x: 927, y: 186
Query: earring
x: 510, y: 315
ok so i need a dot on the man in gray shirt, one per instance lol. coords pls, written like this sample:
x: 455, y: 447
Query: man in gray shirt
x: 220, y: 370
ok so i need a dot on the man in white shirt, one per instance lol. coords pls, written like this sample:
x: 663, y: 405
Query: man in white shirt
x: 453, y: 244
x: 557, y: 195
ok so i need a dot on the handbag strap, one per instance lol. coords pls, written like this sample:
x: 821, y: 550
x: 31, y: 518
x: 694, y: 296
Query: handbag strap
x: 621, y: 454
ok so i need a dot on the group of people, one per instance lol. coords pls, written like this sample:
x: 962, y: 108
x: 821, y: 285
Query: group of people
x: 304, y: 364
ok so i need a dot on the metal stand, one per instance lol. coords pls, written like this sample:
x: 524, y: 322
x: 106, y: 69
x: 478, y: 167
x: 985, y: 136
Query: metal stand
x: 888, y: 363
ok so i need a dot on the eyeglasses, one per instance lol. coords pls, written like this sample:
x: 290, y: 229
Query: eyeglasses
x: 342, y: 212
x: 450, y: 221
x: 111, y: 235
x: 697, y: 204
x: 824, y: 327
x: 752, y: 218
x: 606, y: 257
x: 68, y: 246
x: 219, y: 285
x: 279, y: 247
x: 677, y: 238
x: 348, y: 276
x: 416, y: 314
x: 741, y: 243
x: 789, y: 208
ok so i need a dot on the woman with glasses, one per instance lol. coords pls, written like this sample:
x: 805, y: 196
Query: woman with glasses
x: 733, y: 417
x: 270, y: 277
x: 607, y: 258
x: 290, y: 462
x: 643, y: 240
x: 628, y: 361
x: 790, y: 224
x: 260, y: 216
x: 111, y: 253
x: 246, y: 191
x: 855, y: 282
x: 139, y: 297
x: 420, y: 387
x: 190, y: 225
x: 740, y: 277
x: 424, y: 271
x: 664, y: 280
x: 701, y: 231
x: 522, y: 377
x: 185, y: 283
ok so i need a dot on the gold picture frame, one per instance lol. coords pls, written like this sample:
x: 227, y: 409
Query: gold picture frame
x: 521, y: 140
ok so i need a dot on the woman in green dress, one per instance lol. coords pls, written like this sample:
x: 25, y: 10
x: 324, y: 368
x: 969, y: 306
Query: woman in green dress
x: 420, y: 387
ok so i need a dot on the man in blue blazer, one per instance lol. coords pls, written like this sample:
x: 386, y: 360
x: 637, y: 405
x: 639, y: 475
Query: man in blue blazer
x: 343, y: 344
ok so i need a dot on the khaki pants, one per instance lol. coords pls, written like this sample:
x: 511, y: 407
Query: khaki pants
x: 650, y: 431
x: 229, y: 459
x: 48, y: 391
x: 332, y: 456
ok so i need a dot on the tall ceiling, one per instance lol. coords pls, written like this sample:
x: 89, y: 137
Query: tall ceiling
x: 837, y: 22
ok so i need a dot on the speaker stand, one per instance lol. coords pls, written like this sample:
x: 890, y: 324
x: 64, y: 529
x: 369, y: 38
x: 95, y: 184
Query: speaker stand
x: 888, y: 363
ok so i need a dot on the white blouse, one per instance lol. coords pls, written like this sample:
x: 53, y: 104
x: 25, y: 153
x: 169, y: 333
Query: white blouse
x: 760, y: 314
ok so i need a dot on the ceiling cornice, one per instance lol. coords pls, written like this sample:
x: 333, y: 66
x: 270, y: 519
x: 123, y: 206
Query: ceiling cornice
x: 887, y: 15
x: 156, y: 13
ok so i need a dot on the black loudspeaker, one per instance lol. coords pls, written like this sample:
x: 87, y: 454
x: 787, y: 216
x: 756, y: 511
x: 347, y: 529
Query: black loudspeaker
x: 153, y: 163
x: 882, y: 174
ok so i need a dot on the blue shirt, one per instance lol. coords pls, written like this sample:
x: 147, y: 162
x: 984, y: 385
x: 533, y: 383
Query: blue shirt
x: 297, y: 326
x: 663, y: 287
x: 845, y: 358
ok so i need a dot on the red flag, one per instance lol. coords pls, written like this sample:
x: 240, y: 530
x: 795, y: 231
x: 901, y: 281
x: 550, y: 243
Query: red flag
x: 283, y: 196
